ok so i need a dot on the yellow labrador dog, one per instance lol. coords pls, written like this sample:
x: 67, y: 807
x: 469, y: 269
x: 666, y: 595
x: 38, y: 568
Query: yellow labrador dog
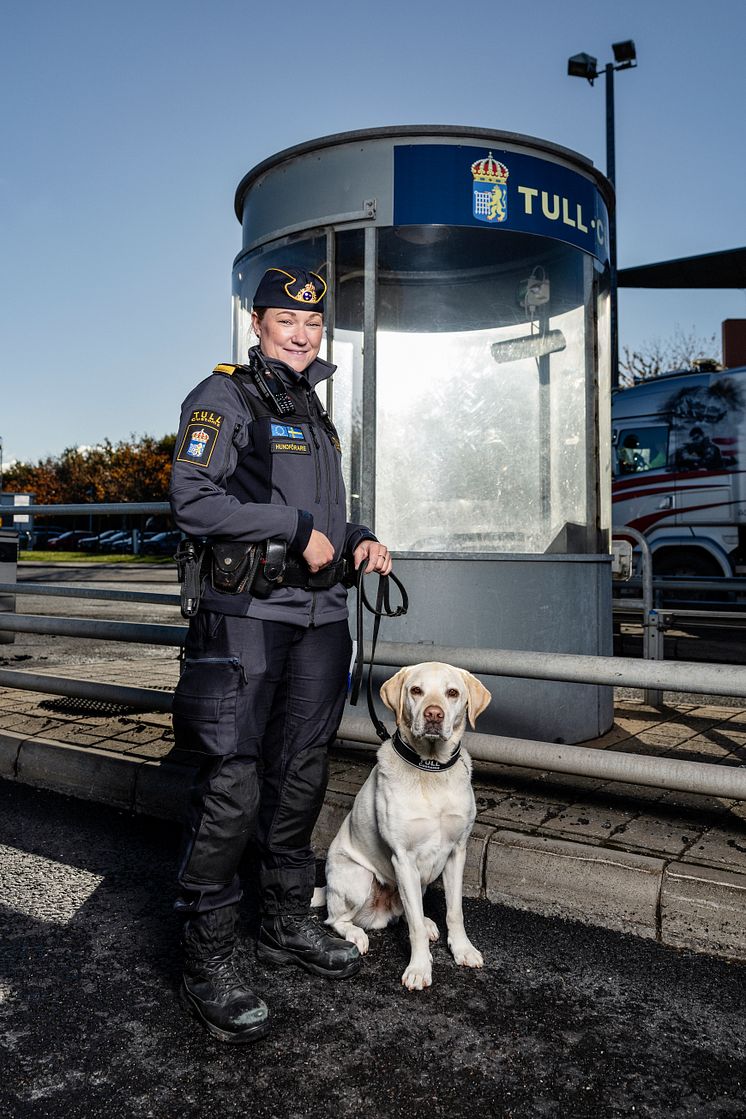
x: 411, y: 820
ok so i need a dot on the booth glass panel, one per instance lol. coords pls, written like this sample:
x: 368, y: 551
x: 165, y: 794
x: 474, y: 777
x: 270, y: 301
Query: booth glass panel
x: 482, y: 392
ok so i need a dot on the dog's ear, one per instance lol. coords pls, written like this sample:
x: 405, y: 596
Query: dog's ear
x: 392, y: 693
x: 478, y: 695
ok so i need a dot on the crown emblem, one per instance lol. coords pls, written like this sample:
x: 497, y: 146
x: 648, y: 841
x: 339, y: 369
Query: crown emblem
x: 306, y: 294
x: 489, y: 170
x: 201, y: 436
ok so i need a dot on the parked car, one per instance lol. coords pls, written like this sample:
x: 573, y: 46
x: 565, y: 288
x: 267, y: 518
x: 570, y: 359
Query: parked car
x: 98, y: 543
x: 68, y: 541
x: 41, y: 535
x: 162, y: 544
x: 119, y: 543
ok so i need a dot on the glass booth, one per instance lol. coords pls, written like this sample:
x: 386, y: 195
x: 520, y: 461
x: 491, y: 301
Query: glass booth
x: 469, y: 323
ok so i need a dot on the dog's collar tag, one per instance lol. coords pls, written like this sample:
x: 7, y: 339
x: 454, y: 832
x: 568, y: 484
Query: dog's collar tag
x: 426, y: 765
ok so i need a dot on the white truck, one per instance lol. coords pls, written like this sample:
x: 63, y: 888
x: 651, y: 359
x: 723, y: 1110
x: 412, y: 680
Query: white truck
x: 679, y: 469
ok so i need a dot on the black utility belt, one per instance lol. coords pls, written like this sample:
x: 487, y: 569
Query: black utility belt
x: 260, y: 568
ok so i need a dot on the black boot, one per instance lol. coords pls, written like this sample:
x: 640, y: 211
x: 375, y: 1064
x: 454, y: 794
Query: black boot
x: 291, y: 938
x: 213, y: 988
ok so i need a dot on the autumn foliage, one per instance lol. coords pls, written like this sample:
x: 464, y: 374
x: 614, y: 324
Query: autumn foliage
x: 134, y: 470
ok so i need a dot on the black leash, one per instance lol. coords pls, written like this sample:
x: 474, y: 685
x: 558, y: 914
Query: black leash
x: 382, y: 609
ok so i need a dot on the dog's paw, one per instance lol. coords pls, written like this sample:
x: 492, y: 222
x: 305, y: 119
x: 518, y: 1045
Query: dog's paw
x: 432, y: 929
x: 467, y: 955
x: 417, y: 976
x: 359, y: 938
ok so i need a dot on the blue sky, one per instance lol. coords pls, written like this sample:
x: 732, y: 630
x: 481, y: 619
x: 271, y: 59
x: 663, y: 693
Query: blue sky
x: 125, y: 130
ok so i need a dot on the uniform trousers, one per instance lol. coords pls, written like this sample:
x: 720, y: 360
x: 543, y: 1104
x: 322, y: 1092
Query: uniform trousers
x: 261, y: 701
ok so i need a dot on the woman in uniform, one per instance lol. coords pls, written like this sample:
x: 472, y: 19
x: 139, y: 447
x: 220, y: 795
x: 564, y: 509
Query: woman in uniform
x: 257, y: 476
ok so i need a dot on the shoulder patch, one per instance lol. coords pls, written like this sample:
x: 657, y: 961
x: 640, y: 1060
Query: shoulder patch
x: 224, y: 367
x: 200, y: 437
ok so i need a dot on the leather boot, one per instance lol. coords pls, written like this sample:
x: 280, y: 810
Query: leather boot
x: 213, y: 988
x: 291, y: 938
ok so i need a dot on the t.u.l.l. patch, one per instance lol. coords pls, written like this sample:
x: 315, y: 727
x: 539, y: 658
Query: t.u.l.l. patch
x: 199, y: 441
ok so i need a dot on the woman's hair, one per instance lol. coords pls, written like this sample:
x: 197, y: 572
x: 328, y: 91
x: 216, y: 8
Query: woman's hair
x: 260, y: 312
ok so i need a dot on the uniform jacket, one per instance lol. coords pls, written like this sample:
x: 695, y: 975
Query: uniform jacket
x: 244, y: 475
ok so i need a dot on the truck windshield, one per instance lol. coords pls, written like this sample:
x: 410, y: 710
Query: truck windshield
x: 641, y: 448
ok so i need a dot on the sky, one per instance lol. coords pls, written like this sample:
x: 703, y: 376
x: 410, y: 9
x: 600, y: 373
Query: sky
x: 125, y: 129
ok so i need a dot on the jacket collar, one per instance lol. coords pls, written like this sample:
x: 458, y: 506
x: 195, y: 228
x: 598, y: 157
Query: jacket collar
x: 319, y: 370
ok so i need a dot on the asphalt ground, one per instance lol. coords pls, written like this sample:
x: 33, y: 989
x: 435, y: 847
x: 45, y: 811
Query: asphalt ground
x: 564, y: 1020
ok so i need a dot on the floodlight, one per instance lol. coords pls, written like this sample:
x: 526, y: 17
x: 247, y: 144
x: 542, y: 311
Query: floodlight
x: 624, y: 52
x: 583, y: 66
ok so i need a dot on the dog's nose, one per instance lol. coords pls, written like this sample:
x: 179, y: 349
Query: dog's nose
x: 434, y: 714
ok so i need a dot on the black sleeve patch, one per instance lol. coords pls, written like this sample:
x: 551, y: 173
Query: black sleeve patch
x: 200, y: 438
x: 289, y: 447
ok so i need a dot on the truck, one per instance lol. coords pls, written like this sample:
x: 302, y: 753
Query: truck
x: 679, y: 469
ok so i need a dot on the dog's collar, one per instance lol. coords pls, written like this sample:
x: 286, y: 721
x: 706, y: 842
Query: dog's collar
x: 427, y: 765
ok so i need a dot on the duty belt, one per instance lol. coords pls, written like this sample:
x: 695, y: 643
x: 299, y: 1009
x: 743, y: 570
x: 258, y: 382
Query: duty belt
x: 296, y: 574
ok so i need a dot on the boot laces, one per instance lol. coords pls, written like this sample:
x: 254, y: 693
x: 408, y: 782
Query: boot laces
x: 225, y: 975
x: 308, y: 928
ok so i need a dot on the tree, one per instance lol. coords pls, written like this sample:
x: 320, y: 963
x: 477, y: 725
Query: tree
x: 137, y: 469
x: 657, y: 356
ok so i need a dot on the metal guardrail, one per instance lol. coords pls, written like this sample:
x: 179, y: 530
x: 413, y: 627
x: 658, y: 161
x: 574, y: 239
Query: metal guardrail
x: 115, y: 508
x: 668, y: 773
x: 43, y: 591
x: 652, y: 675
x: 572, y: 668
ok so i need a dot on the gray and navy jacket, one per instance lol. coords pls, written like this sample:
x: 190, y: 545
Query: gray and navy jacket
x: 242, y: 474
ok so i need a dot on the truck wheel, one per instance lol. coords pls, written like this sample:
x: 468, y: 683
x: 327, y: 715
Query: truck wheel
x: 688, y: 563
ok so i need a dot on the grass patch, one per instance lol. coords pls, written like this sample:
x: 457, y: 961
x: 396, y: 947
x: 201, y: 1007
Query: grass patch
x: 89, y: 557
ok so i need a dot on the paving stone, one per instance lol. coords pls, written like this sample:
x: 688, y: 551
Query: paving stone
x: 672, y: 733
x: 155, y: 750
x: 721, y: 846
x: 703, y: 748
x: 711, y: 712
x: 516, y: 810
x: 646, y: 749
x: 642, y: 795
x: 649, y: 834
x: 704, y: 909
x: 554, y: 877
x: 581, y: 821
x: 75, y: 734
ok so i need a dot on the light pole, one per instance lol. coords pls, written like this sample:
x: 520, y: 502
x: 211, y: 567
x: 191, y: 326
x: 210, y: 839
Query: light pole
x: 585, y: 66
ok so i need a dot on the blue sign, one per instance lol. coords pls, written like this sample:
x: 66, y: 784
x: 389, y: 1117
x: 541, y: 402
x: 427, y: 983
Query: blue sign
x: 441, y: 184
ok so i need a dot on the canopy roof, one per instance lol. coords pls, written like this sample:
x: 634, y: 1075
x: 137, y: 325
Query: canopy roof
x: 726, y: 269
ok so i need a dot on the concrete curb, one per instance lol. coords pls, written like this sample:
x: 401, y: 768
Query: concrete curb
x: 681, y: 905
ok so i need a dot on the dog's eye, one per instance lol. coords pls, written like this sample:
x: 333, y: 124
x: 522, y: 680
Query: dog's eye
x: 415, y: 690
x: 452, y: 693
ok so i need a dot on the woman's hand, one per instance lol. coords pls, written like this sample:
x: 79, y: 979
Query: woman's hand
x: 318, y: 552
x: 377, y: 555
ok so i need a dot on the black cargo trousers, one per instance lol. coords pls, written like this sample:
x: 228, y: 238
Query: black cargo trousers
x: 261, y: 701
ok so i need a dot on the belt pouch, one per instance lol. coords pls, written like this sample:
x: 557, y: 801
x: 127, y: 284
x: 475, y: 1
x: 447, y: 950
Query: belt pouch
x: 233, y: 566
x: 270, y: 569
x: 205, y: 705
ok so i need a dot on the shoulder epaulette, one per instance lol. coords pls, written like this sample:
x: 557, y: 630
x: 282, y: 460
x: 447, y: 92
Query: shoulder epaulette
x: 227, y: 369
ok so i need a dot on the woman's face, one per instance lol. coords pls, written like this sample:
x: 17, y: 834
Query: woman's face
x: 291, y: 336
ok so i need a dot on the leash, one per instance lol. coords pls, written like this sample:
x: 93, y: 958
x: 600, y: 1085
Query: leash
x: 382, y: 609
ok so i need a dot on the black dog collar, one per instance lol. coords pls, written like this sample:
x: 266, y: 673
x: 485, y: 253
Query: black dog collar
x: 427, y: 765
